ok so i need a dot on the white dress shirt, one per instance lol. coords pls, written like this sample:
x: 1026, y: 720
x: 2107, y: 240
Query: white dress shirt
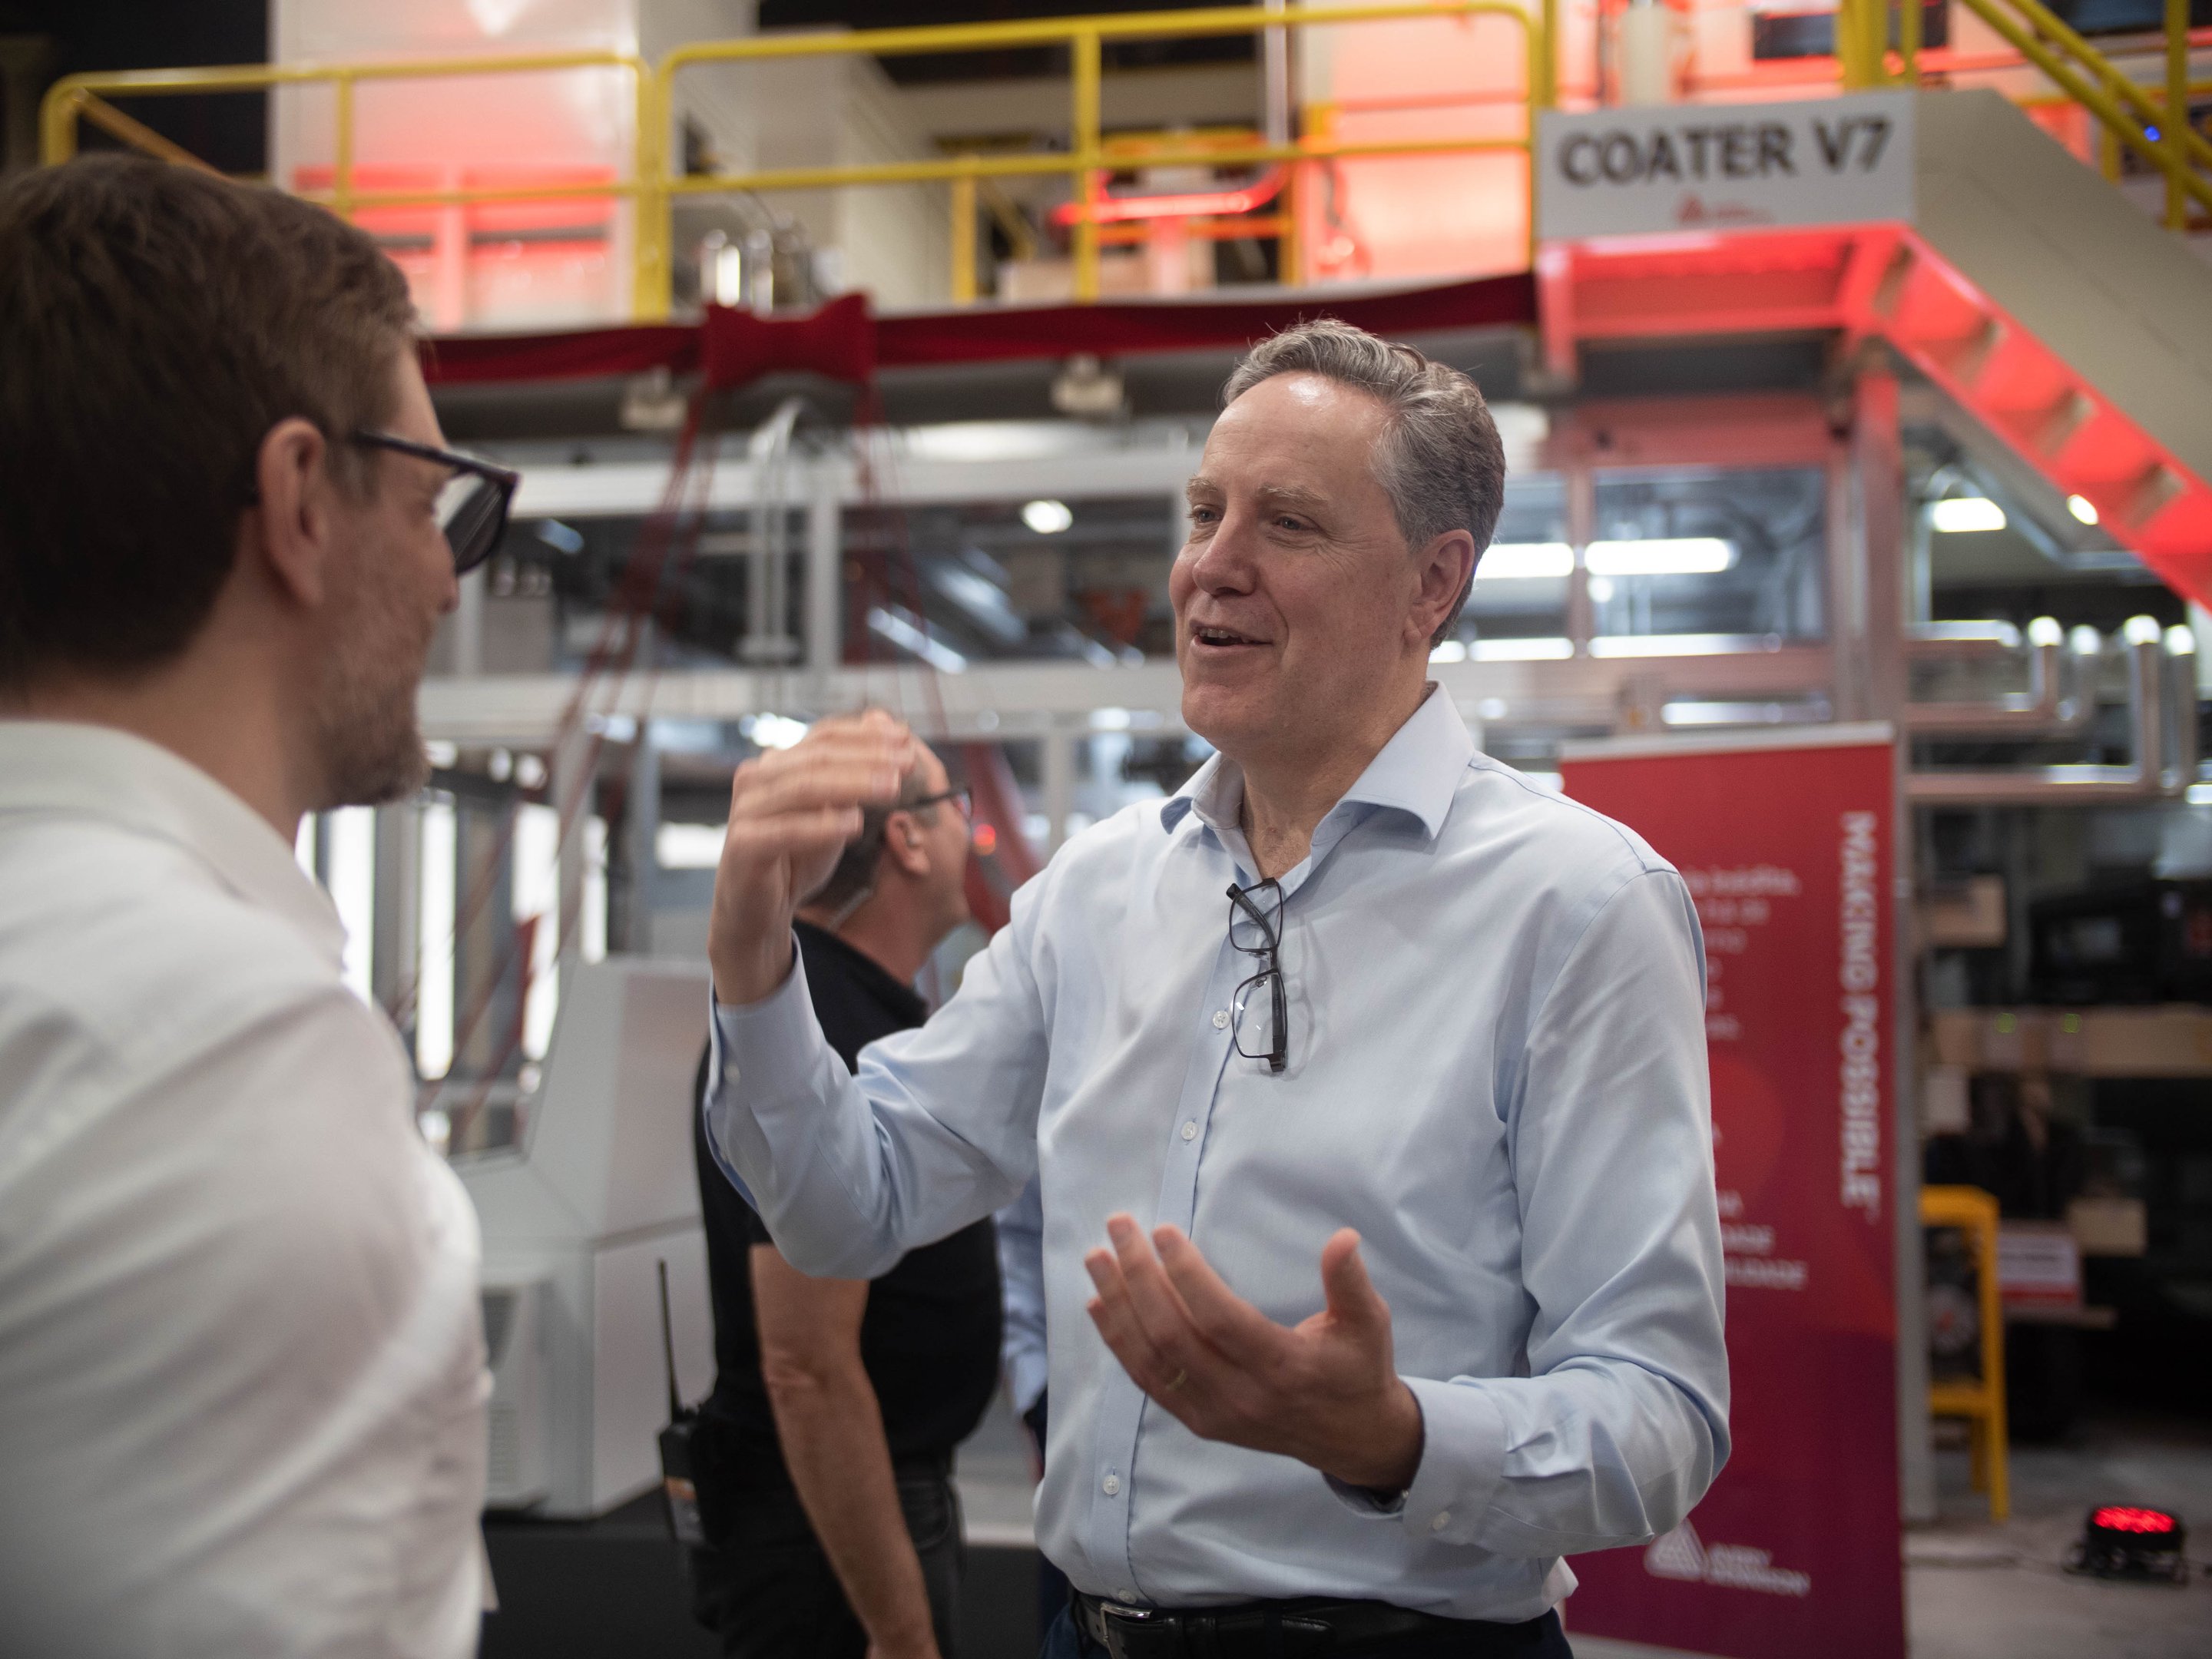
x: 242, y: 1357
x: 1497, y: 1073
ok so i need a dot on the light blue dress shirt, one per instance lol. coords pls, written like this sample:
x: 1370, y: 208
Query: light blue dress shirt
x: 1021, y: 1271
x: 1497, y: 1074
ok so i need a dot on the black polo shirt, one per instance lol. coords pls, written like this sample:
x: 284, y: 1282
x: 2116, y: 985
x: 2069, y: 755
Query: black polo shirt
x: 929, y: 1339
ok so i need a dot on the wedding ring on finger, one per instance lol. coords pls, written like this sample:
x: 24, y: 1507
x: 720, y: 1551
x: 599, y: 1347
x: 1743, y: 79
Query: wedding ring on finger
x: 1181, y: 1377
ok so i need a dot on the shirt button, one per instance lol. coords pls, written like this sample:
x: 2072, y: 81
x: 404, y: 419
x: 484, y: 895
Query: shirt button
x: 1111, y: 1485
x: 1190, y: 1130
x: 1442, y: 1520
x: 1220, y: 1019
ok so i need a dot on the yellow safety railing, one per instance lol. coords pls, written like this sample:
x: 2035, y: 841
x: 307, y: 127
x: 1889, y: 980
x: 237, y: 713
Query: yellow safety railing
x: 654, y: 185
x: 84, y: 97
x: 2131, y: 115
x: 1087, y: 161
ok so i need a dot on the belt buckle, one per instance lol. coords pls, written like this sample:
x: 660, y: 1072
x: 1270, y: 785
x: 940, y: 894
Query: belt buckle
x: 1120, y: 1623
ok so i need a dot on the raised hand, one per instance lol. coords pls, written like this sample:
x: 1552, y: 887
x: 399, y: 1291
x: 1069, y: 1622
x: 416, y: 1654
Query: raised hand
x: 792, y: 811
x: 1325, y: 1391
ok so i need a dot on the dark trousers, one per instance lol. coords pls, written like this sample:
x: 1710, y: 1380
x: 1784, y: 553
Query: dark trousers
x: 767, y: 1590
x: 1064, y: 1641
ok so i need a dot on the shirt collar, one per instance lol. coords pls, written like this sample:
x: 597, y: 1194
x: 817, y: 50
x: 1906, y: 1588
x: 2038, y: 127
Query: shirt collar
x: 99, y: 772
x: 1416, y: 773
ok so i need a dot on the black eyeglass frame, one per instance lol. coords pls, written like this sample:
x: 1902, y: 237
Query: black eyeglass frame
x: 1278, y: 1055
x: 479, y: 537
x: 959, y: 792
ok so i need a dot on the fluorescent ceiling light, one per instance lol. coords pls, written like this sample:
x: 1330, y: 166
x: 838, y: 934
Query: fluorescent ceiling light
x: 1681, y: 645
x: 900, y: 629
x: 1531, y: 650
x: 1965, y: 512
x: 2082, y: 508
x: 1664, y: 556
x: 1450, y: 651
x: 1047, y: 518
x: 1525, y: 561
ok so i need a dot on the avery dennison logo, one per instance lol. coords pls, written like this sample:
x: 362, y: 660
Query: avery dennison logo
x: 1680, y: 1554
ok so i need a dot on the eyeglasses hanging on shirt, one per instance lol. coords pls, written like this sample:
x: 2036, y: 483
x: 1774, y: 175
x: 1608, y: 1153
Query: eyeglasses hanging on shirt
x: 1261, y: 1012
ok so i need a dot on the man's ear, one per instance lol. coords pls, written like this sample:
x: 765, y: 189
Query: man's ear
x: 904, y: 845
x: 288, y: 532
x: 1445, y: 565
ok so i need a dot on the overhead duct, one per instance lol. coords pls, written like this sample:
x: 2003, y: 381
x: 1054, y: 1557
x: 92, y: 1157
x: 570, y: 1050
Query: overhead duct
x: 2061, y: 695
x: 2164, y: 763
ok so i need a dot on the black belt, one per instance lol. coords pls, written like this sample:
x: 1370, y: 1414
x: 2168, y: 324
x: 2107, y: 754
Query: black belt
x: 1285, y: 1629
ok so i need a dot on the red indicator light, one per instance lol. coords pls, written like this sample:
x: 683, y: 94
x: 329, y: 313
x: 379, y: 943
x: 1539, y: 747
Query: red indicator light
x: 2119, y: 1518
x: 987, y: 841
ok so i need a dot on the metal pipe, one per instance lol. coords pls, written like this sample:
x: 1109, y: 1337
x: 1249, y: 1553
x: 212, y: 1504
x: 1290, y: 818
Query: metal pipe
x: 2146, y: 777
x: 2060, y: 700
x: 2181, y: 709
x: 1960, y: 639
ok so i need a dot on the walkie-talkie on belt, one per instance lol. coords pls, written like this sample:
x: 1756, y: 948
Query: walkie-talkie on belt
x: 676, y: 1481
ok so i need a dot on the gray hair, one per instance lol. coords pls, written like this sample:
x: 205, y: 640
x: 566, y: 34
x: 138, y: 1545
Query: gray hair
x: 852, y: 884
x: 1440, y: 461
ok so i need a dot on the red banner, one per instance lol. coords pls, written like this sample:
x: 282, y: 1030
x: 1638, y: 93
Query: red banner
x: 1786, y: 844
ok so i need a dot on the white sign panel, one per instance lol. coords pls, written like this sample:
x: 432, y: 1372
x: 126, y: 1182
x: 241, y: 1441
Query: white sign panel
x: 1670, y: 168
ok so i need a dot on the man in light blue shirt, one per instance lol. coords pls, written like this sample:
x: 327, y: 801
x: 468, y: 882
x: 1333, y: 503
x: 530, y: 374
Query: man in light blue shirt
x: 1364, y: 1082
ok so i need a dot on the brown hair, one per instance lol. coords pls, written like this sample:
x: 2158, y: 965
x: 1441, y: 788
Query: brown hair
x: 1440, y: 461
x: 155, y: 322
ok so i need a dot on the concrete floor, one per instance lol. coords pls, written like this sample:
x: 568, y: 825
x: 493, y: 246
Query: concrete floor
x: 1973, y: 1590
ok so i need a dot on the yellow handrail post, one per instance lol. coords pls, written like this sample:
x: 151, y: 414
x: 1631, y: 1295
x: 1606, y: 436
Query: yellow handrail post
x: 1850, y: 46
x: 1544, y: 84
x: 2174, y: 130
x: 652, y: 234
x: 963, y: 239
x: 1087, y: 51
x: 58, y: 122
x: 342, y: 156
x: 1908, y: 41
x: 1543, y: 92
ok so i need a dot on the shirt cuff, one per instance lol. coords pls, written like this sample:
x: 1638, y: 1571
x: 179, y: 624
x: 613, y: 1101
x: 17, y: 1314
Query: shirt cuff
x: 1364, y: 1501
x: 770, y: 1039
x: 776, y: 1028
x: 1462, y: 1460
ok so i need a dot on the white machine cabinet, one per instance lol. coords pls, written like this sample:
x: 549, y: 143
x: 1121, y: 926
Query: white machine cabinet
x: 576, y: 1220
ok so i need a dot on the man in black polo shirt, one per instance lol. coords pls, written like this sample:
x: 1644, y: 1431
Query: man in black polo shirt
x: 824, y: 1453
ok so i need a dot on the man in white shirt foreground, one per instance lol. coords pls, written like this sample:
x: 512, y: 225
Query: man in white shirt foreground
x: 1365, y: 1082
x: 241, y: 1363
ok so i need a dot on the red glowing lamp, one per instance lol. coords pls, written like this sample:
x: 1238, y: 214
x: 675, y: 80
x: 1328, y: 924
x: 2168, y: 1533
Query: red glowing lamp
x: 2126, y: 1541
x: 2120, y: 1518
x: 985, y: 840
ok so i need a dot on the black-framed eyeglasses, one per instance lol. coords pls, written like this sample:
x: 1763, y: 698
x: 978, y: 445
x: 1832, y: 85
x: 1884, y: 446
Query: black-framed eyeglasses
x: 472, y: 508
x: 959, y: 792
x: 1262, y: 1029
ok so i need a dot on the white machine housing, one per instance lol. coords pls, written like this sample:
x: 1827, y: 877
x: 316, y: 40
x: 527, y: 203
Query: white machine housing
x: 576, y: 1220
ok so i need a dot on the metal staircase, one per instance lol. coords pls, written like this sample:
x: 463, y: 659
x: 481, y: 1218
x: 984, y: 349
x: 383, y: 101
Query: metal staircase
x: 2026, y: 286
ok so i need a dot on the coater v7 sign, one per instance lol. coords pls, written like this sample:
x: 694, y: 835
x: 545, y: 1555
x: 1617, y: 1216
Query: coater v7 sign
x: 1786, y: 846
x: 1672, y: 168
